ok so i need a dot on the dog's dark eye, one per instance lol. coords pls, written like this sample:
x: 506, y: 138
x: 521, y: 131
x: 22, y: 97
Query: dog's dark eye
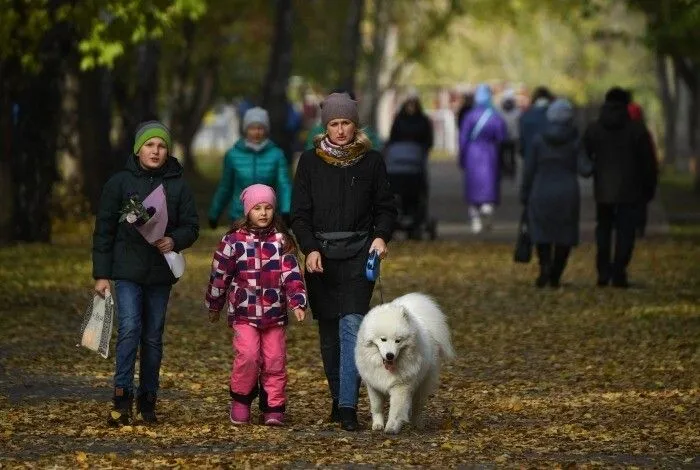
x: 383, y: 340
x: 398, y: 340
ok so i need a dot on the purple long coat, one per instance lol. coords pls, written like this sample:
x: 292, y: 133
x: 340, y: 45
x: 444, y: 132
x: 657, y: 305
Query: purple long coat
x: 479, y: 158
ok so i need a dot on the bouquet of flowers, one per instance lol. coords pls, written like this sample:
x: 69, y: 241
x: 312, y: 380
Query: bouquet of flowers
x: 134, y: 211
x: 150, y: 218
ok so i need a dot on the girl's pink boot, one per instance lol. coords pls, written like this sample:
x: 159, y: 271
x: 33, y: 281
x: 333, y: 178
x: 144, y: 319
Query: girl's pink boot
x: 240, y: 413
x: 273, y: 419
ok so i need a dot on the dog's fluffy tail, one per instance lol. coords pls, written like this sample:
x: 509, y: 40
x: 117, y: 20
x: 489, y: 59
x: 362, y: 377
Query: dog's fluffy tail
x: 425, y: 310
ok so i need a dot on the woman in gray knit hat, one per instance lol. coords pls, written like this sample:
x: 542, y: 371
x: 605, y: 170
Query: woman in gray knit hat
x: 342, y: 210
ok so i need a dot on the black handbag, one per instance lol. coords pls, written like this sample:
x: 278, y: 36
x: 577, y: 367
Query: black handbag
x: 341, y: 245
x: 523, y: 244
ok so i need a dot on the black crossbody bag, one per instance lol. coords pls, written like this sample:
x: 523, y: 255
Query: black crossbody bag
x: 341, y: 245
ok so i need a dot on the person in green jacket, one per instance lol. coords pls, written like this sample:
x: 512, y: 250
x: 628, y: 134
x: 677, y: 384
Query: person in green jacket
x: 140, y: 273
x: 252, y: 159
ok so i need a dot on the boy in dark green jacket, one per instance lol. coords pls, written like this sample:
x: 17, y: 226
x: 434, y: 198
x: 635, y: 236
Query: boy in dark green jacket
x: 142, y: 278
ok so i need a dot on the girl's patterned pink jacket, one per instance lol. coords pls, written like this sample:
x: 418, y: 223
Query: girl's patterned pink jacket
x: 262, y: 284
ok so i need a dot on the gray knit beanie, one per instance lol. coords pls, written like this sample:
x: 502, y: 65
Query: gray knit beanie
x: 339, y: 106
x: 560, y: 111
x: 256, y: 115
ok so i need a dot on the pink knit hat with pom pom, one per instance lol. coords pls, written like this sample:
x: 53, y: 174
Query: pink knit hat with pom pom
x: 255, y: 194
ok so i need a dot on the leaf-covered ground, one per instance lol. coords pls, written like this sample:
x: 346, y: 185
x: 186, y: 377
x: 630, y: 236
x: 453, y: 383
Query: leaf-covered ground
x: 578, y: 376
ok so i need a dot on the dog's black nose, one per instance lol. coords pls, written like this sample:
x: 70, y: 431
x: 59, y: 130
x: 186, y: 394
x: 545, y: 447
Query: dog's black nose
x: 389, y: 356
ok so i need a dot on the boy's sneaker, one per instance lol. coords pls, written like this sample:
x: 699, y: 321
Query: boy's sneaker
x: 146, y: 407
x: 120, y: 415
x: 240, y: 413
x: 273, y: 419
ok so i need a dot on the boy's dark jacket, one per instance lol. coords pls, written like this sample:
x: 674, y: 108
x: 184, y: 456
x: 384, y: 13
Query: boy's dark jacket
x: 118, y: 250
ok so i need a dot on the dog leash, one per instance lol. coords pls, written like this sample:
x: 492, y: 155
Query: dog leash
x: 381, y: 293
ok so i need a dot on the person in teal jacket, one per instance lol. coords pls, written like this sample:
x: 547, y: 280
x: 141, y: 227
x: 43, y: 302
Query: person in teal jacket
x: 253, y: 159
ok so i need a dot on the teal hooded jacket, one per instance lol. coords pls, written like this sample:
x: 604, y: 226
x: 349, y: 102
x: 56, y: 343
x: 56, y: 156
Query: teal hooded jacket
x: 244, y: 166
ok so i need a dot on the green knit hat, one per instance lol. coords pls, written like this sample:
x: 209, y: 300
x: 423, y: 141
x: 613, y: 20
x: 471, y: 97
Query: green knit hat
x: 149, y: 129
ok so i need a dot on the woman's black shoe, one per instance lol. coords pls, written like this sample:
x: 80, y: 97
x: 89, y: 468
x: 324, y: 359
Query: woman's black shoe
x: 146, y: 407
x: 348, y: 419
x: 335, y: 414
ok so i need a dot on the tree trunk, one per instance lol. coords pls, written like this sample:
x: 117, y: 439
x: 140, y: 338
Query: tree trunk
x: 203, y: 96
x: 36, y: 102
x: 138, y: 102
x: 274, y: 90
x: 146, y: 103
x: 669, y: 102
x: 352, y: 44
x: 94, y: 124
x: 689, y: 71
x: 6, y: 143
x: 34, y: 153
x: 372, y: 87
x: 192, y: 94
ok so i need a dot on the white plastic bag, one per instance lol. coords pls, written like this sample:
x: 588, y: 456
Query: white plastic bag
x: 96, y: 329
x: 176, y: 262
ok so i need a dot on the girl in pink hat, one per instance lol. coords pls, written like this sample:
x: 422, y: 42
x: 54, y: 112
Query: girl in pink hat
x: 255, y: 268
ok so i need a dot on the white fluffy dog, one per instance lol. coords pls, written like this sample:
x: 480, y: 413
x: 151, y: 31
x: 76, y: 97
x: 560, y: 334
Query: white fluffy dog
x: 399, y: 350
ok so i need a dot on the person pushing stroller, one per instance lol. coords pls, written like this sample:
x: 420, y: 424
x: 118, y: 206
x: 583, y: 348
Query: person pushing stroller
x: 406, y: 156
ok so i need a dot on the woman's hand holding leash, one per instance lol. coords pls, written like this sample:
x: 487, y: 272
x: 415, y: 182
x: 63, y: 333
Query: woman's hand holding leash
x: 313, y: 262
x: 379, y: 245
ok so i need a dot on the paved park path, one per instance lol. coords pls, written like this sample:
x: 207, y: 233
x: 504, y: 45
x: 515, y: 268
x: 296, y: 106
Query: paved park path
x: 448, y: 207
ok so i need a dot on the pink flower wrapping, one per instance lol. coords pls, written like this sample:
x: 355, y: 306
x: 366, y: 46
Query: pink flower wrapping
x: 154, y: 229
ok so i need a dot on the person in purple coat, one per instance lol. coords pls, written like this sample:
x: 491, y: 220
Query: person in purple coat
x: 480, y: 137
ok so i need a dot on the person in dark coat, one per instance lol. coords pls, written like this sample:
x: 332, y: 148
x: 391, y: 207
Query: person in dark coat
x: 467, y: 105
x: 534, y: 120
x: 141, y: 276
x: 412, y: 125
x: 406, y: 154
x: 342, y: 209
x: 624, y: 175
x: 550, y: 191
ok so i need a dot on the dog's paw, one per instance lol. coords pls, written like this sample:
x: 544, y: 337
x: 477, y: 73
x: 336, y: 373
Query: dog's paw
x: 377, y: 421
x: 392, y: 427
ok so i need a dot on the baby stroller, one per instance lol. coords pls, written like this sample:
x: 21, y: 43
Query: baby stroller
x: 406, y: 166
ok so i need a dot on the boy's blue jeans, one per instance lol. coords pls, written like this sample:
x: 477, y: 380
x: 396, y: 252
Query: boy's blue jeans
x: 141, y: 320
x: 338, y: 339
